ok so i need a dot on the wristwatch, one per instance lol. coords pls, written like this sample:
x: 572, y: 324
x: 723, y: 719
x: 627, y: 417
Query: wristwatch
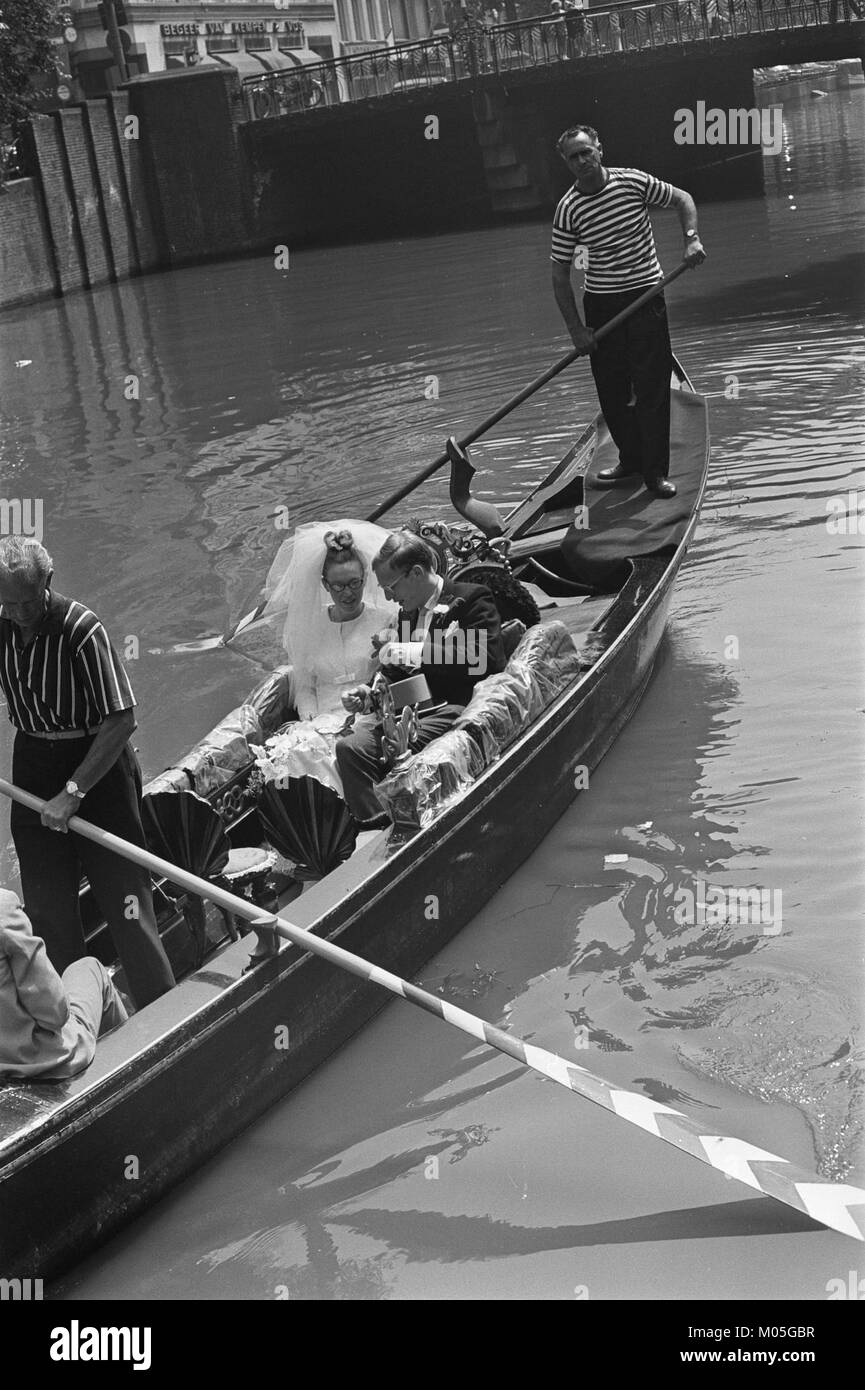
x: 74, y: 790
x: 689, y: 236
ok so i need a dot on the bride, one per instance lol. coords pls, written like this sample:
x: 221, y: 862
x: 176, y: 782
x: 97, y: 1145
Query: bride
x: 322, y: 580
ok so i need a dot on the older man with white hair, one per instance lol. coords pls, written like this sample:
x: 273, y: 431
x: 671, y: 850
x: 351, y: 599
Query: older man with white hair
x: 71, y: 703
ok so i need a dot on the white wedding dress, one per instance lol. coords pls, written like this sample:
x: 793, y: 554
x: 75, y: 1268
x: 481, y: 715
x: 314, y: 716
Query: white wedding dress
x: 306, y: 747
x: 327, y: 658
x: 344, y: 658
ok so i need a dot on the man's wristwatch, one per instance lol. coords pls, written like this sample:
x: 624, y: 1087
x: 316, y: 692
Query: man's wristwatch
x: 692, y: 235
x: 74, y: 790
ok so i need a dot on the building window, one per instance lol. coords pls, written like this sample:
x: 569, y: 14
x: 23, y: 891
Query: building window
x: 399, y: 20
x: 345, y: 27
x: 359, y: 21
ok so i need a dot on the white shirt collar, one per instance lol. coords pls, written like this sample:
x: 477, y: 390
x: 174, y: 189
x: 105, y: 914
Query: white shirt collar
x: 434, y: 596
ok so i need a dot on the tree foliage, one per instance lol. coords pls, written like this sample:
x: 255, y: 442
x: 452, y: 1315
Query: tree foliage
x: 25, y: 50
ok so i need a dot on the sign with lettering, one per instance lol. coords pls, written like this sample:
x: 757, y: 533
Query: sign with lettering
x: 179, y: 31
x: 290, y: 32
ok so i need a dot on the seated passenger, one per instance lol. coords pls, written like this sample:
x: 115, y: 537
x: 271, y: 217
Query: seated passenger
x: 48, y: 1024
x: 450, y: 633
x: 334, y: 610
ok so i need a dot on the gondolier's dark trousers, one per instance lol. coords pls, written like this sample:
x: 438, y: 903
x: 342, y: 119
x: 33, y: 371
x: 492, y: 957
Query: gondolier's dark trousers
x: 360, y: 760
x: 52, y: 864
x: 634, y: 364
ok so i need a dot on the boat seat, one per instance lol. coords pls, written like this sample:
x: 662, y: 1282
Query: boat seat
x: 512, y: 634
x: 414, y: 793
x: 225, y: 752
x: 273, y: 700
x: 545, y: 661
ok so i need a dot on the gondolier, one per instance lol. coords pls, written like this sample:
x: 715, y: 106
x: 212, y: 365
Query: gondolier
x: 606, y: 212
x: 72, y: 706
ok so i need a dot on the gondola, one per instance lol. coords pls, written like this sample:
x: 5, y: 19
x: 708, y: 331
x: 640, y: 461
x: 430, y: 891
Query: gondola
x: 185, y: 1075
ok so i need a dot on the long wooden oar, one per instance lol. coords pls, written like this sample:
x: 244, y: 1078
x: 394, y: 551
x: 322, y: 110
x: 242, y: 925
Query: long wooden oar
x: 206, y: 643
x: 615, y: 322
x: 833, y: 1204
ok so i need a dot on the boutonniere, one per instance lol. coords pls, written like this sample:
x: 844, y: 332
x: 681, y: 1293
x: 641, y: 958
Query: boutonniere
x: 442, y: 608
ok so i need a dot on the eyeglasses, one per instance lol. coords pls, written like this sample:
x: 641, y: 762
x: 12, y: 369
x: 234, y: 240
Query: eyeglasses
x: 351, y: 586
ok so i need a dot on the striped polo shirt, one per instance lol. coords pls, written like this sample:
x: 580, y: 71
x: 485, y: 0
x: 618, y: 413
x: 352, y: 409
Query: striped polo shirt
x: 613, y: 224
x: 68, y: 677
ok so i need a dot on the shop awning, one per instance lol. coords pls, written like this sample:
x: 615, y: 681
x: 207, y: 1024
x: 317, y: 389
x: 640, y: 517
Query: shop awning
x: 276, y: 61
x: 246, y: 63
x: 302, y: 57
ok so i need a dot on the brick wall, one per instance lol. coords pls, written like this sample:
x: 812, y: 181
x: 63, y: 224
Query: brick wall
x: 112, y: 187
x: 26, y: 259
x: 85, y: 192
x: 50, y: 153
x: 192, y: 175
x: 131, y: 160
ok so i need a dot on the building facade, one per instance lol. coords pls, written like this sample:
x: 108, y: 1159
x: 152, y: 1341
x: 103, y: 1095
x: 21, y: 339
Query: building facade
x: 251, y: 36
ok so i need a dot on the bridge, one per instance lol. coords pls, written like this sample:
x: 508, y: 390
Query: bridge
x: 458, y: 130
x: 582, y: 43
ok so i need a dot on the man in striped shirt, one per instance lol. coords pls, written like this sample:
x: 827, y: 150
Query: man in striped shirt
x: 606, y: 212
x: 72, y: 706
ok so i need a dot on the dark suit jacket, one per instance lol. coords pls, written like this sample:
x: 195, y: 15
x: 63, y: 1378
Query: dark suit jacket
x: 454, y: 664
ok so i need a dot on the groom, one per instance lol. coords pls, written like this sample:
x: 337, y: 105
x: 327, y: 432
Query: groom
x: 449, y: 633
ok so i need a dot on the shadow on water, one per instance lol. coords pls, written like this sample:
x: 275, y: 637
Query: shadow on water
x: 426, y: 1236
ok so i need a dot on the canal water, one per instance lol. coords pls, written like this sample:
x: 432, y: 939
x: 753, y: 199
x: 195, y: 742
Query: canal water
x: 160, y: 429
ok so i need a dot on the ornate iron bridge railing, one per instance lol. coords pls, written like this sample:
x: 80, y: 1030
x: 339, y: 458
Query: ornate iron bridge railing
x: 476, y: 50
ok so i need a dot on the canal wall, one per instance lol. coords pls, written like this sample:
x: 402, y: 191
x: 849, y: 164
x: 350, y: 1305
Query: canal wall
x: 26, y: 265
x: 385, y: 168
x: 469, y: 154
x: 83, y: 218
x: 192, y: 178
x: 170, y: 170
x: 145, y: 179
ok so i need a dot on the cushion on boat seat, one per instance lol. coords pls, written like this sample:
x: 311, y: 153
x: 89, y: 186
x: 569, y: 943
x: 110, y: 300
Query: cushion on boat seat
x: 273, y: 700
x: 512, y: 631
x: 224, y: 751
x: 415, y: 793
x: 173, y: 779
x: 544, y: 663
x: 549, y: 660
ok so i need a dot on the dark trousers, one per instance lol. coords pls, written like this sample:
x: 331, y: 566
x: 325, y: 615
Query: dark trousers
x: 360, y: 761
x: 51, y: 864
x: 635, y: 360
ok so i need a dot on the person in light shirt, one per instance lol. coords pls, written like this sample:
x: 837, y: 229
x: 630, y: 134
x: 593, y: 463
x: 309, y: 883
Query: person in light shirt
x: 48, y: 1025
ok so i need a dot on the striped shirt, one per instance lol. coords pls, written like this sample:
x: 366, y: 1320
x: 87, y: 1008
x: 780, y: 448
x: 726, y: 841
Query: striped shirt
x: 68, y: 677
x: 613, y: 225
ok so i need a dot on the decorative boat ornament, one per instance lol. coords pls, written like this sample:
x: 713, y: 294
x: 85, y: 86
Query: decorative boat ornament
x: 484, y: 515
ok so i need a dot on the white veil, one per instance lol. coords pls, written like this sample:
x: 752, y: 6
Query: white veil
x: 294, y: 591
